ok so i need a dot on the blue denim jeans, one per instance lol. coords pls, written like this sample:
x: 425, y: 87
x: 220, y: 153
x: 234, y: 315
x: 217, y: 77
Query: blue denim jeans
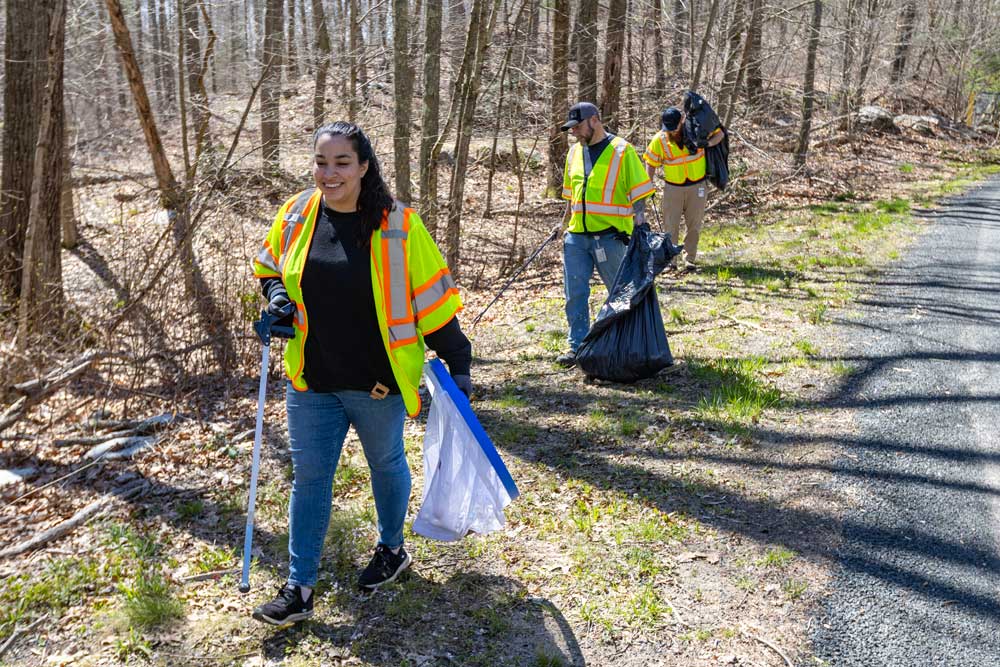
x: 581, y: 254
x: 317, y: 426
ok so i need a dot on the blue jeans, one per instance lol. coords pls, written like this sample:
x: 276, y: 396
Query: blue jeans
x: 317, y: 426
x: 581, y: 253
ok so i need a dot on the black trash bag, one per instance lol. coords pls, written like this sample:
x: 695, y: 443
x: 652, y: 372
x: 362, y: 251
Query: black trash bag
x: 627, y: 342
x: 717, y: 162
x: 700, y: 120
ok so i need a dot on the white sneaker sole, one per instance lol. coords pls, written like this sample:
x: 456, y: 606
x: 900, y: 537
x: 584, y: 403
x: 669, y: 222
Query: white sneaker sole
x: 405, y: 564
x: 288, y: 620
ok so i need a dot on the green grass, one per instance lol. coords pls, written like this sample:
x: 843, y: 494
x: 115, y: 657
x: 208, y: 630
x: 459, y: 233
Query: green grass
x: 677, y: 316
x: 895, y: 205
x: 53, y: 588
x: 510, y: 398
x: 793, y: 589
x: 777, y: 557
x: 906, y: 168
x: 191, y: 509
x: 737, y: 394
x: 806, y: 348
x: 553, y: 341
x: 149, y: 601
x: 346, y: 537
x: 816, y: 314
x: 212, y: 559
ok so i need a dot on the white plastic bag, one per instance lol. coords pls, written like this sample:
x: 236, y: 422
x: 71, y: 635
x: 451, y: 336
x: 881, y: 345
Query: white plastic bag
x: 466, y: 484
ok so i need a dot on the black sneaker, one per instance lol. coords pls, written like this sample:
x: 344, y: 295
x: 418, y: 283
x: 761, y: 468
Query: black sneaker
x: 384, y: 567
x: 288, y: 607
x: 567, y: 359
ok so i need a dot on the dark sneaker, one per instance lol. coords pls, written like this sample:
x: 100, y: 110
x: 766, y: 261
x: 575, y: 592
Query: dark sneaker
x: 288, y: 607
x: 567, y: 359
x: 384, y: 567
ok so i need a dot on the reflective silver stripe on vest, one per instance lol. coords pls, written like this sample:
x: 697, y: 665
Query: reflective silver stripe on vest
x: 294, y: 218
x: 402, y: 332
x: 603, y: 209
x: 264, y: 259
x: 432, y: 294
x: 398, y: 292
x: 612, y: 178
x: 641, y: 190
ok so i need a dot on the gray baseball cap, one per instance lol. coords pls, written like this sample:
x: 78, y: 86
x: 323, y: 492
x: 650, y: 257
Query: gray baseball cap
x: 578, y: 113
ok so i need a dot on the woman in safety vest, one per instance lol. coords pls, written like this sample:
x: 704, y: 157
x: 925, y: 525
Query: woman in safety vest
x: 367, y: 288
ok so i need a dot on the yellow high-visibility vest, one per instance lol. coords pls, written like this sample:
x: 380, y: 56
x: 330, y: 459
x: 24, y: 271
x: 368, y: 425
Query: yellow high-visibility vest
x: 679, y: 164
x: 415, y: 294
x: 617, y: 180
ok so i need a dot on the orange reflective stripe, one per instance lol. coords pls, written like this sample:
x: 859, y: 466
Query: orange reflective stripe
x: 434, y: 292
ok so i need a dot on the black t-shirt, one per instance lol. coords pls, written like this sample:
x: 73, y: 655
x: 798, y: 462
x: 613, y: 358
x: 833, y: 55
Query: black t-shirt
x: 343, y: 348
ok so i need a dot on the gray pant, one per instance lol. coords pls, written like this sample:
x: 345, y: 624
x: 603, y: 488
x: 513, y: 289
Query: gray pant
x: 687, y: 201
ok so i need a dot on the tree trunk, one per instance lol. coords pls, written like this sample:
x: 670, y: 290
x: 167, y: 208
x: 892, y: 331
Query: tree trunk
x: 355, y: 51
x: 907, y: 22
x: 808, y: 90
x: 586, y: 57
x: 847, y: 63
x: 731, y: 69
x: 696, y: 79
x: 291, y: 45
x: 754, y: 71
x: 469, y: 75
x: 869, y: 36
x: 67, y: 210
x: 192, y: 64
x: 612, y: 81
x: 677, y: 44
x: 402, y: 81
x: 270, y: 89
x: 660, y: 85
x: 40, y: 306
x: 322, y: 62
x: 430, y: 119
x: 167, y: 71
x: 27, y: 29
x: 558, y: 103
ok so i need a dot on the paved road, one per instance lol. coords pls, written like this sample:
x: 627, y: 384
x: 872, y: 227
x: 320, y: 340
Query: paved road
x: 919, y: 576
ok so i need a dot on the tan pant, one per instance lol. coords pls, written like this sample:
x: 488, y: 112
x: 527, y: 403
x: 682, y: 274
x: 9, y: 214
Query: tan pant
x: 687, y: 201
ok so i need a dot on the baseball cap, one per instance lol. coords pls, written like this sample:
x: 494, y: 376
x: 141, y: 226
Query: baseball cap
x: 670, y: 119
x: 578, y: 113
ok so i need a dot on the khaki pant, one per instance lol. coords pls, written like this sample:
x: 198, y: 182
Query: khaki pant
x: 687, y: 201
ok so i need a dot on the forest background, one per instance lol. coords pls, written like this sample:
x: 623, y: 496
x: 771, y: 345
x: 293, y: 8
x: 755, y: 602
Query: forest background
x: 147, y: 144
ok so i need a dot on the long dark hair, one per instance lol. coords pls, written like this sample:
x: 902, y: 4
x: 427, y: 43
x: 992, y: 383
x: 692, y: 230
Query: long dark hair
x: 375, y: 198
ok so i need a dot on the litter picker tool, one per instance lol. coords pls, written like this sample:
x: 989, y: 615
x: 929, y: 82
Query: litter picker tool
x: 266, y: 327
x: 551, y: 237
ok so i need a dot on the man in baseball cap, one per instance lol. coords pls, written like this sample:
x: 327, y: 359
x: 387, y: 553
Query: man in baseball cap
x: 606, y: 187
x: 685, y: 189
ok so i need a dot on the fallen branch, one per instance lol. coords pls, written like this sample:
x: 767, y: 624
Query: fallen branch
x: 143, y: 427
x: 204, y: 576
x: 58, y: 377
x: 769, y: 645
x: 21, y: 631
x: 75, y: 521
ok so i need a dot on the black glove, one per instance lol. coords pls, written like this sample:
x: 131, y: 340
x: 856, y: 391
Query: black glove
x: 280, y: 306
x: 623, y: 237
x: 464, y: 383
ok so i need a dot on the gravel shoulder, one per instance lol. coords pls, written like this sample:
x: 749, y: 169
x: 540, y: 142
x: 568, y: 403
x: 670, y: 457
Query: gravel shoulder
x: 918, y: 579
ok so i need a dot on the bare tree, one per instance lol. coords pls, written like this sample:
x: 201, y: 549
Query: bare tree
x: 678, y: 43
x: 808, y: 87
x: 403, y: 89
x: 754, y: 56
x: 712, y: 12
x: 480, y: 27
x: 40, y: 305
x: 558, y: 101
x: 905, y: 27
x: 430, y: 118
x: 270, y: 89
x: 586, y: 56
x: 612, y: 80
x: 322, y: 62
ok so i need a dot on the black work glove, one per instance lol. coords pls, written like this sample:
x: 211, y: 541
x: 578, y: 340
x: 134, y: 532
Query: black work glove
x: 280, y: 305
x: 464, y: 383
x: 623, y: 237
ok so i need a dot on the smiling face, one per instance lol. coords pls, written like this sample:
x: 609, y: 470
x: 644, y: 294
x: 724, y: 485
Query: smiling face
x: 337, y: 172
